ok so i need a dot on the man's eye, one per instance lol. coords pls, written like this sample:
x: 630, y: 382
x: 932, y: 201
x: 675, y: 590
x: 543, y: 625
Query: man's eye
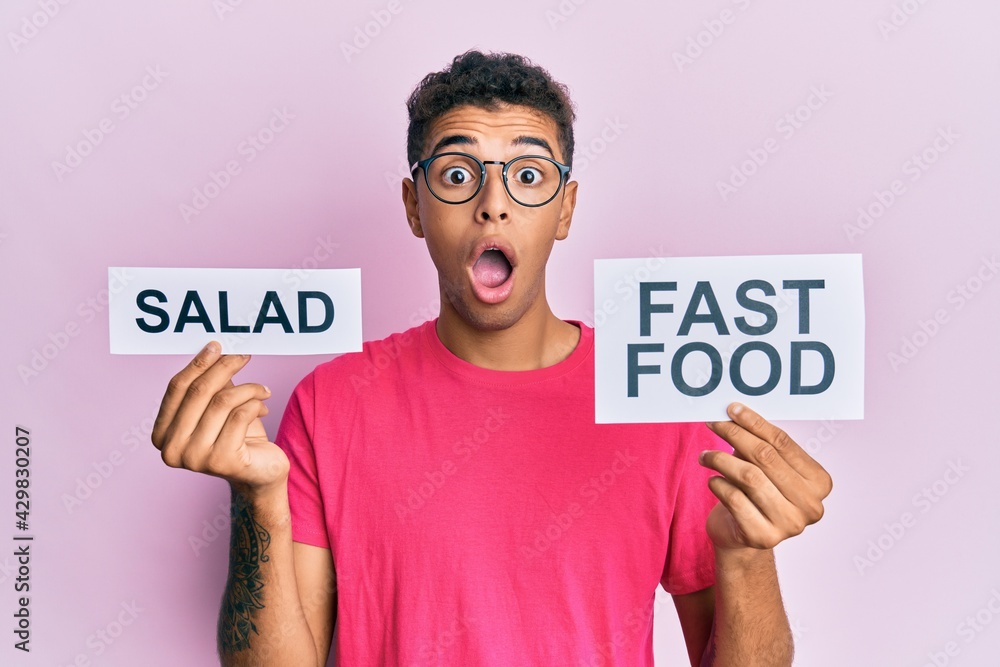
x: 528, y: 176
x: 457, y: 176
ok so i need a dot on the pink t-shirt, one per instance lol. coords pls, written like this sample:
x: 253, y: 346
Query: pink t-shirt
x: 481, y: 517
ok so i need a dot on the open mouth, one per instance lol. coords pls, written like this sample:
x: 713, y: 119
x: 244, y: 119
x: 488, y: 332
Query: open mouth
x: 492, y: 268
x: 492, y: 274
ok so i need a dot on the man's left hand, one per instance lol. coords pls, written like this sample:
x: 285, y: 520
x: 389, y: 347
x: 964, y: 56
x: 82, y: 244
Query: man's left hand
x: 770, y: 488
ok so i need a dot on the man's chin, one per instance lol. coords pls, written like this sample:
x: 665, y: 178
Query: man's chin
x: 490, y: 318
x: 486, y: 317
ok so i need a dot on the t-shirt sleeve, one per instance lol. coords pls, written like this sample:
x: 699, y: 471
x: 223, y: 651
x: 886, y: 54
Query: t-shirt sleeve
x: 295, y: 437
x: 690, y: 562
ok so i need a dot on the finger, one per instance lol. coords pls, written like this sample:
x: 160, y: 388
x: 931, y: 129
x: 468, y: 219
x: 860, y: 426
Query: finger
x: 201, y: 390
x: 177, y: 388
x: 759, y: 439
x: 753, y: 450
x: 208, y: 430
x: 230, y: 455
x: 779, y: 510
x: 755, y: 530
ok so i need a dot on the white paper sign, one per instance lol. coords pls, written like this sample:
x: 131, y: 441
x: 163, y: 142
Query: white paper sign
x: 249, y: 311
x: 678, y: 339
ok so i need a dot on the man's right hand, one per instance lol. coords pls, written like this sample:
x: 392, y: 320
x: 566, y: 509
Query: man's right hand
x: 209, y: 425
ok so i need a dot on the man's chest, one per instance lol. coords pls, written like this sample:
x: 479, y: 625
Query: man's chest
x: 493, y: 480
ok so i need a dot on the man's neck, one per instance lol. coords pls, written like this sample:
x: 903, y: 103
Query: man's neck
x: 537, y: 340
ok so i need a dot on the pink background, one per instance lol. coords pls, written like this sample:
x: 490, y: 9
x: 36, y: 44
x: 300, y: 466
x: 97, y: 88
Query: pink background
x: 650, y: 188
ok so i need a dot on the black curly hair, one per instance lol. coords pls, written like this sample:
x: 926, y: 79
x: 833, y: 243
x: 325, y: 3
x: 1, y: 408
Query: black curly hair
x: 487, y: 81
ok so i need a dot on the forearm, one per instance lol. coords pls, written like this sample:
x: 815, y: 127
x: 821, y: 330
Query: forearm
x: 261, y: 621
x: 750, y: 627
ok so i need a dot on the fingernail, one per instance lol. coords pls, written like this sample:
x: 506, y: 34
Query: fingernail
x: 701, y: 457
x: 212, y: 347
x: 736, y: 408
x: 266, y: 390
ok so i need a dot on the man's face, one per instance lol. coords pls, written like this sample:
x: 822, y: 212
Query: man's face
x: 488, y: 290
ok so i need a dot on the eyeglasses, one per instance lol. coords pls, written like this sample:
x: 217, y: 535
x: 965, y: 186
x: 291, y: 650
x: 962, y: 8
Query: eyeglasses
x: 456, y: 178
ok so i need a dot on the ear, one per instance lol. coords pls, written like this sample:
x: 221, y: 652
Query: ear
x: 566, y: 210
x: 412, y: 209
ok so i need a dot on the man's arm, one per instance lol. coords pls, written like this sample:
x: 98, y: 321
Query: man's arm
x: 769, y: 489
x: 741, y: 619
x: 267, y: 616
x: 317, y: 582
x: 751, y: 627
x: 208, y: 425
x: 744, y: 607
x: 695, y: 612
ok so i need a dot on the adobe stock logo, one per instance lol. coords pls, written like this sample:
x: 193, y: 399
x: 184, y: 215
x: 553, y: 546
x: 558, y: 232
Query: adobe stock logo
x: 562, y: 12
x: 901, y: 14
x: 363, y: 35
x: 42, y: 356
x: 224, y: 7
x: 914, y: 167
x: 558, y: 525
x: 787, y: 126
x: 31, y: 25
x: 963, y: 293
x: 712, y: 30
x: 248, y: 149
x: 925, y: 500
x: 121, y: 108
x: 424, y: 488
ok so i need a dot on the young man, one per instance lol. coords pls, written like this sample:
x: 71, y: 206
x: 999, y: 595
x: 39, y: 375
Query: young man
x: 453, y: 472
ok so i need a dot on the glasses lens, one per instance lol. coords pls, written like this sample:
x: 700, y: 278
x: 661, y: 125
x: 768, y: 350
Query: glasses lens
x: 453, y: 178
x: 533, y: 180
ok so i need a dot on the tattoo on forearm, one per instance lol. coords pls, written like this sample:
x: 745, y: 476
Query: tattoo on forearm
x: 244, y: 594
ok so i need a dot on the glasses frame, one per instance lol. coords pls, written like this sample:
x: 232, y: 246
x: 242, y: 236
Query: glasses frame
x: 423, y: 164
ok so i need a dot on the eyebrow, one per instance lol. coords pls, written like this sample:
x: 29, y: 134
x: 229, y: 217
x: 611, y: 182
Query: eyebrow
x: 466, y: 140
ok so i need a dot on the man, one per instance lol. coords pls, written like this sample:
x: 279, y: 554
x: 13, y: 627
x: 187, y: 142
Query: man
x: 454, y: 474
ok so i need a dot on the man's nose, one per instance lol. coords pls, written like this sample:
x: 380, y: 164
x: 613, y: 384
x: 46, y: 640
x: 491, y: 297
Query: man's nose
x: 493, y: 202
